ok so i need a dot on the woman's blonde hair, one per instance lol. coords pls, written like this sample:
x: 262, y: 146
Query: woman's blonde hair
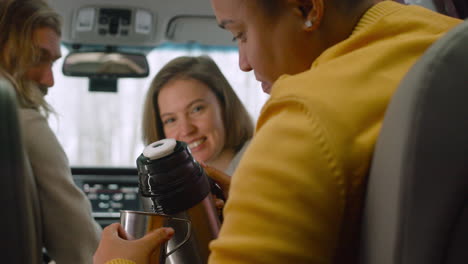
x: 238, y: 125
x: 18, y: 21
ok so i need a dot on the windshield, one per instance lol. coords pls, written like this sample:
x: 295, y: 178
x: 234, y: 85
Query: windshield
x: 103, y: 129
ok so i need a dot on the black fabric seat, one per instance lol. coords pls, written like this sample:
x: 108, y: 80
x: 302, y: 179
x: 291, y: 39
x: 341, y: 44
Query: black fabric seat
x: 20, y: 237
x: 416, y: 208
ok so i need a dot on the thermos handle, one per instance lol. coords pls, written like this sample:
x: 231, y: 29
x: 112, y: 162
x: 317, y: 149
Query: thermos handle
x: 216, y: 190
x: 187, y: 236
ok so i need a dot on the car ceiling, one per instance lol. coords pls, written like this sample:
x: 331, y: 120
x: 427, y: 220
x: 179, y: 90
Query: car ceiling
x: 174, y: 21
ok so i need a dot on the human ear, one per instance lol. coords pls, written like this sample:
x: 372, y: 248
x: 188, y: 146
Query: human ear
x: 311, y: 11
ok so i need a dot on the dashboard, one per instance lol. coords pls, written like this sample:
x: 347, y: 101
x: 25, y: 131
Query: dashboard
x: 109, y: 190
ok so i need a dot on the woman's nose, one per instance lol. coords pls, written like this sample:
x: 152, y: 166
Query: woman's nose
x: 244, y: 64
x: 186, y: 127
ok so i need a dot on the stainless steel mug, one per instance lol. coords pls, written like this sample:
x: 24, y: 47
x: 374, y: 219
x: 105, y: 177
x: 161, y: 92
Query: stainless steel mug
x: 137, y: 224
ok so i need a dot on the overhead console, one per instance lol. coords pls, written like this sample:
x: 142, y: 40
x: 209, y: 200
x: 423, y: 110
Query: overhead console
x: 104, y: 25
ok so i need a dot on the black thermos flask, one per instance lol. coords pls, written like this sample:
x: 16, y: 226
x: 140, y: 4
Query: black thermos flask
x: 171, y: 182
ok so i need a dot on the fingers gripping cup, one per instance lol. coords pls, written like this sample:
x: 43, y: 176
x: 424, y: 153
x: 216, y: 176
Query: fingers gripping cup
x: 177, y: 186
x: 138, y: 224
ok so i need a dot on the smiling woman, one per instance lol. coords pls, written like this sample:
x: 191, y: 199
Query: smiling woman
x: 191, y: 100
x: 190, y: 112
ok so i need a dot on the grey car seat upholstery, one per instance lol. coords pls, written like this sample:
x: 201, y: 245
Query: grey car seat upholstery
x: 20, y: 239
x: 446, y: 7
x: 416, y: 209
x: 455, y: 8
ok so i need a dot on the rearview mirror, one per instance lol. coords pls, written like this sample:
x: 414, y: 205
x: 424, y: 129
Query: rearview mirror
x: 105, y: 65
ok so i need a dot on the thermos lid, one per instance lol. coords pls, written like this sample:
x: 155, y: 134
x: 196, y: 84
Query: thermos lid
x: 160, y: 149
x: 171, y: 177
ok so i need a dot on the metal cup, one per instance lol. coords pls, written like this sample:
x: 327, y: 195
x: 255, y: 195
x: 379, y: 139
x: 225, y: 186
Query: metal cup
x: 137, y: 224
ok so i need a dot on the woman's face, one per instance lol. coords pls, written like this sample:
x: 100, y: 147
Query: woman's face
x: 190, y: 112
x: 271, y: 46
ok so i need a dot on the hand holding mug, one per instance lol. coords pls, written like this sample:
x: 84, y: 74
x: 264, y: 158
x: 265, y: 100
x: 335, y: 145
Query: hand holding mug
x: 114, y: 244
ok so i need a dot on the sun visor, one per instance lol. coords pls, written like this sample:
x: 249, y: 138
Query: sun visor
x: 197, y: 29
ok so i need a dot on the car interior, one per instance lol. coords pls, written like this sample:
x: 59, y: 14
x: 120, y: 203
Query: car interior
x: 416, y: 206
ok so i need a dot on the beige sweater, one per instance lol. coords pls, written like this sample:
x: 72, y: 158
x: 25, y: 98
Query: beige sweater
x: 70, y: 235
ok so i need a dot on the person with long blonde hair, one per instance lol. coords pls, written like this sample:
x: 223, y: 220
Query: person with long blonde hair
x: 29, y: 45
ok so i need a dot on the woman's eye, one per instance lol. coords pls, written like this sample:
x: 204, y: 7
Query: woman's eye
x: 197, y: 109
x: 168, y: 121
